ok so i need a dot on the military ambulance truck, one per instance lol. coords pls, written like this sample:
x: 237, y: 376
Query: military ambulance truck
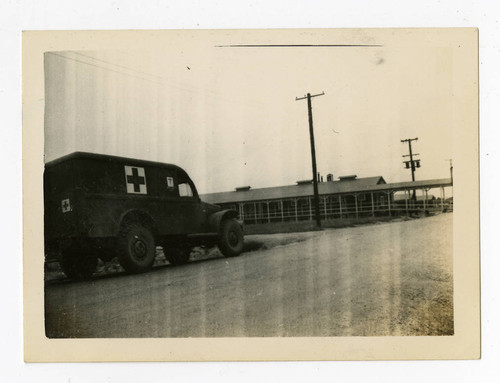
x: 100, y: 206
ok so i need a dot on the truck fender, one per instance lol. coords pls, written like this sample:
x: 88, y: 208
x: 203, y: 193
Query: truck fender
x: 216, y: 219
x: 136, y: 216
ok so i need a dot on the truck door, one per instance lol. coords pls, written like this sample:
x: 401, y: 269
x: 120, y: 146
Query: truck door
x: 191, y: 214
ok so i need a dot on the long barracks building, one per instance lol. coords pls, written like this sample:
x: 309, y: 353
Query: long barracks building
x: 348, y: 197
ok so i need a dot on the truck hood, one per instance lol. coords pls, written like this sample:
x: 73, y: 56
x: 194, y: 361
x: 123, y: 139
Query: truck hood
x: 210, y: 208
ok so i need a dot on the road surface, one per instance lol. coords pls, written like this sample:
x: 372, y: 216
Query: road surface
x: 385, y: 279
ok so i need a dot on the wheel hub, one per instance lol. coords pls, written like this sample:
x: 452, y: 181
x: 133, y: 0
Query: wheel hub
x: 233, y: 238
x: 139, y: 248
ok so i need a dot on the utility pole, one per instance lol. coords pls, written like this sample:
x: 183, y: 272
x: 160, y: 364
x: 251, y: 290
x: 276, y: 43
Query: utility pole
x: 412, y: 164
x: 451, y: 169
x: 313, y: 155
x: 451, y: 176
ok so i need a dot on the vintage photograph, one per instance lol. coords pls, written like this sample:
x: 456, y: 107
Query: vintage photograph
x: 257, y: 184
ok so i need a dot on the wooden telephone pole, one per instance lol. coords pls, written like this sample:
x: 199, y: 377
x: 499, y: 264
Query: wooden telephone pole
x: 451, y: 169
x: 412, y: 164
x: 313, y: 155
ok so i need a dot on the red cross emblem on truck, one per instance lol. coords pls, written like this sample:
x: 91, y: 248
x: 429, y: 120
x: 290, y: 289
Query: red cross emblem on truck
x: 136, y: 180
x: 65, y: 205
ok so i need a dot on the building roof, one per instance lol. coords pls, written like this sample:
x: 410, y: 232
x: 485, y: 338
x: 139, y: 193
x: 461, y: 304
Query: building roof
x: 429, y: 184
x: 368, y: 184
x: 294, y: 191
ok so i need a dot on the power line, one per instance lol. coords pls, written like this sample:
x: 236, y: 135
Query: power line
x: 123, y: 73
x: 206, y: 92
x: 118, y: 65
x: 104, y: 68
x: 188, y: 89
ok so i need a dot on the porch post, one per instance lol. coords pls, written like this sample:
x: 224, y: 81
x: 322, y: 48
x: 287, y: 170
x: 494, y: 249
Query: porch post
x: 356, y: 204
x: 442, y: 198
x: 241, y: 211
x: 406, y: 202
x: 373, y: 205
x: 389, y: 202
x: 310, y: 208
x: 295, y: 204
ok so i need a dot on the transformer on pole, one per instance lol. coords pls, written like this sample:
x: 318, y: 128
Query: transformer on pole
x: 412, y: 164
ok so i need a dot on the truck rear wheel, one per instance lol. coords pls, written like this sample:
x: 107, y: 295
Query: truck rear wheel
x: 78, y: 264
x: 177, y: 254
x: 231, y: 238
x: 136, y: 248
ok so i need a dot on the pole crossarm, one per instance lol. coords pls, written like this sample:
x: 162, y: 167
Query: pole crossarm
x: 415, y: 154
x: 410, y: 139
x: 312, y: 95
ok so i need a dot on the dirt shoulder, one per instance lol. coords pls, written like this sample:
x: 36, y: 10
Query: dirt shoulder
x: 307, y: 226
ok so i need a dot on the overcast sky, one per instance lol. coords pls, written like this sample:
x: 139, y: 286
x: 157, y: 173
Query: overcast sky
x: 228, y: 115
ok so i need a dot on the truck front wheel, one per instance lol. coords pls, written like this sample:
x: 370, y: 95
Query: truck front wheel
x: 231, y: 238
x: 136, y: 248
x: 78, y: 264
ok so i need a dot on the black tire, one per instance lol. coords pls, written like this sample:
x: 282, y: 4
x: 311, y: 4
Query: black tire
x: 136, y: 248
x: 177, y: 254
x: 78, y: 264
x: 231, y: 238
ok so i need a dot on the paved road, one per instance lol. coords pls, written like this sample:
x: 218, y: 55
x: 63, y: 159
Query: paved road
x: 385, y: 279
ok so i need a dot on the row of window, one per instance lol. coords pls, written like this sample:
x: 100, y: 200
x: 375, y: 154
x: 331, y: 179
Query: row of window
x: 303, y: 205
